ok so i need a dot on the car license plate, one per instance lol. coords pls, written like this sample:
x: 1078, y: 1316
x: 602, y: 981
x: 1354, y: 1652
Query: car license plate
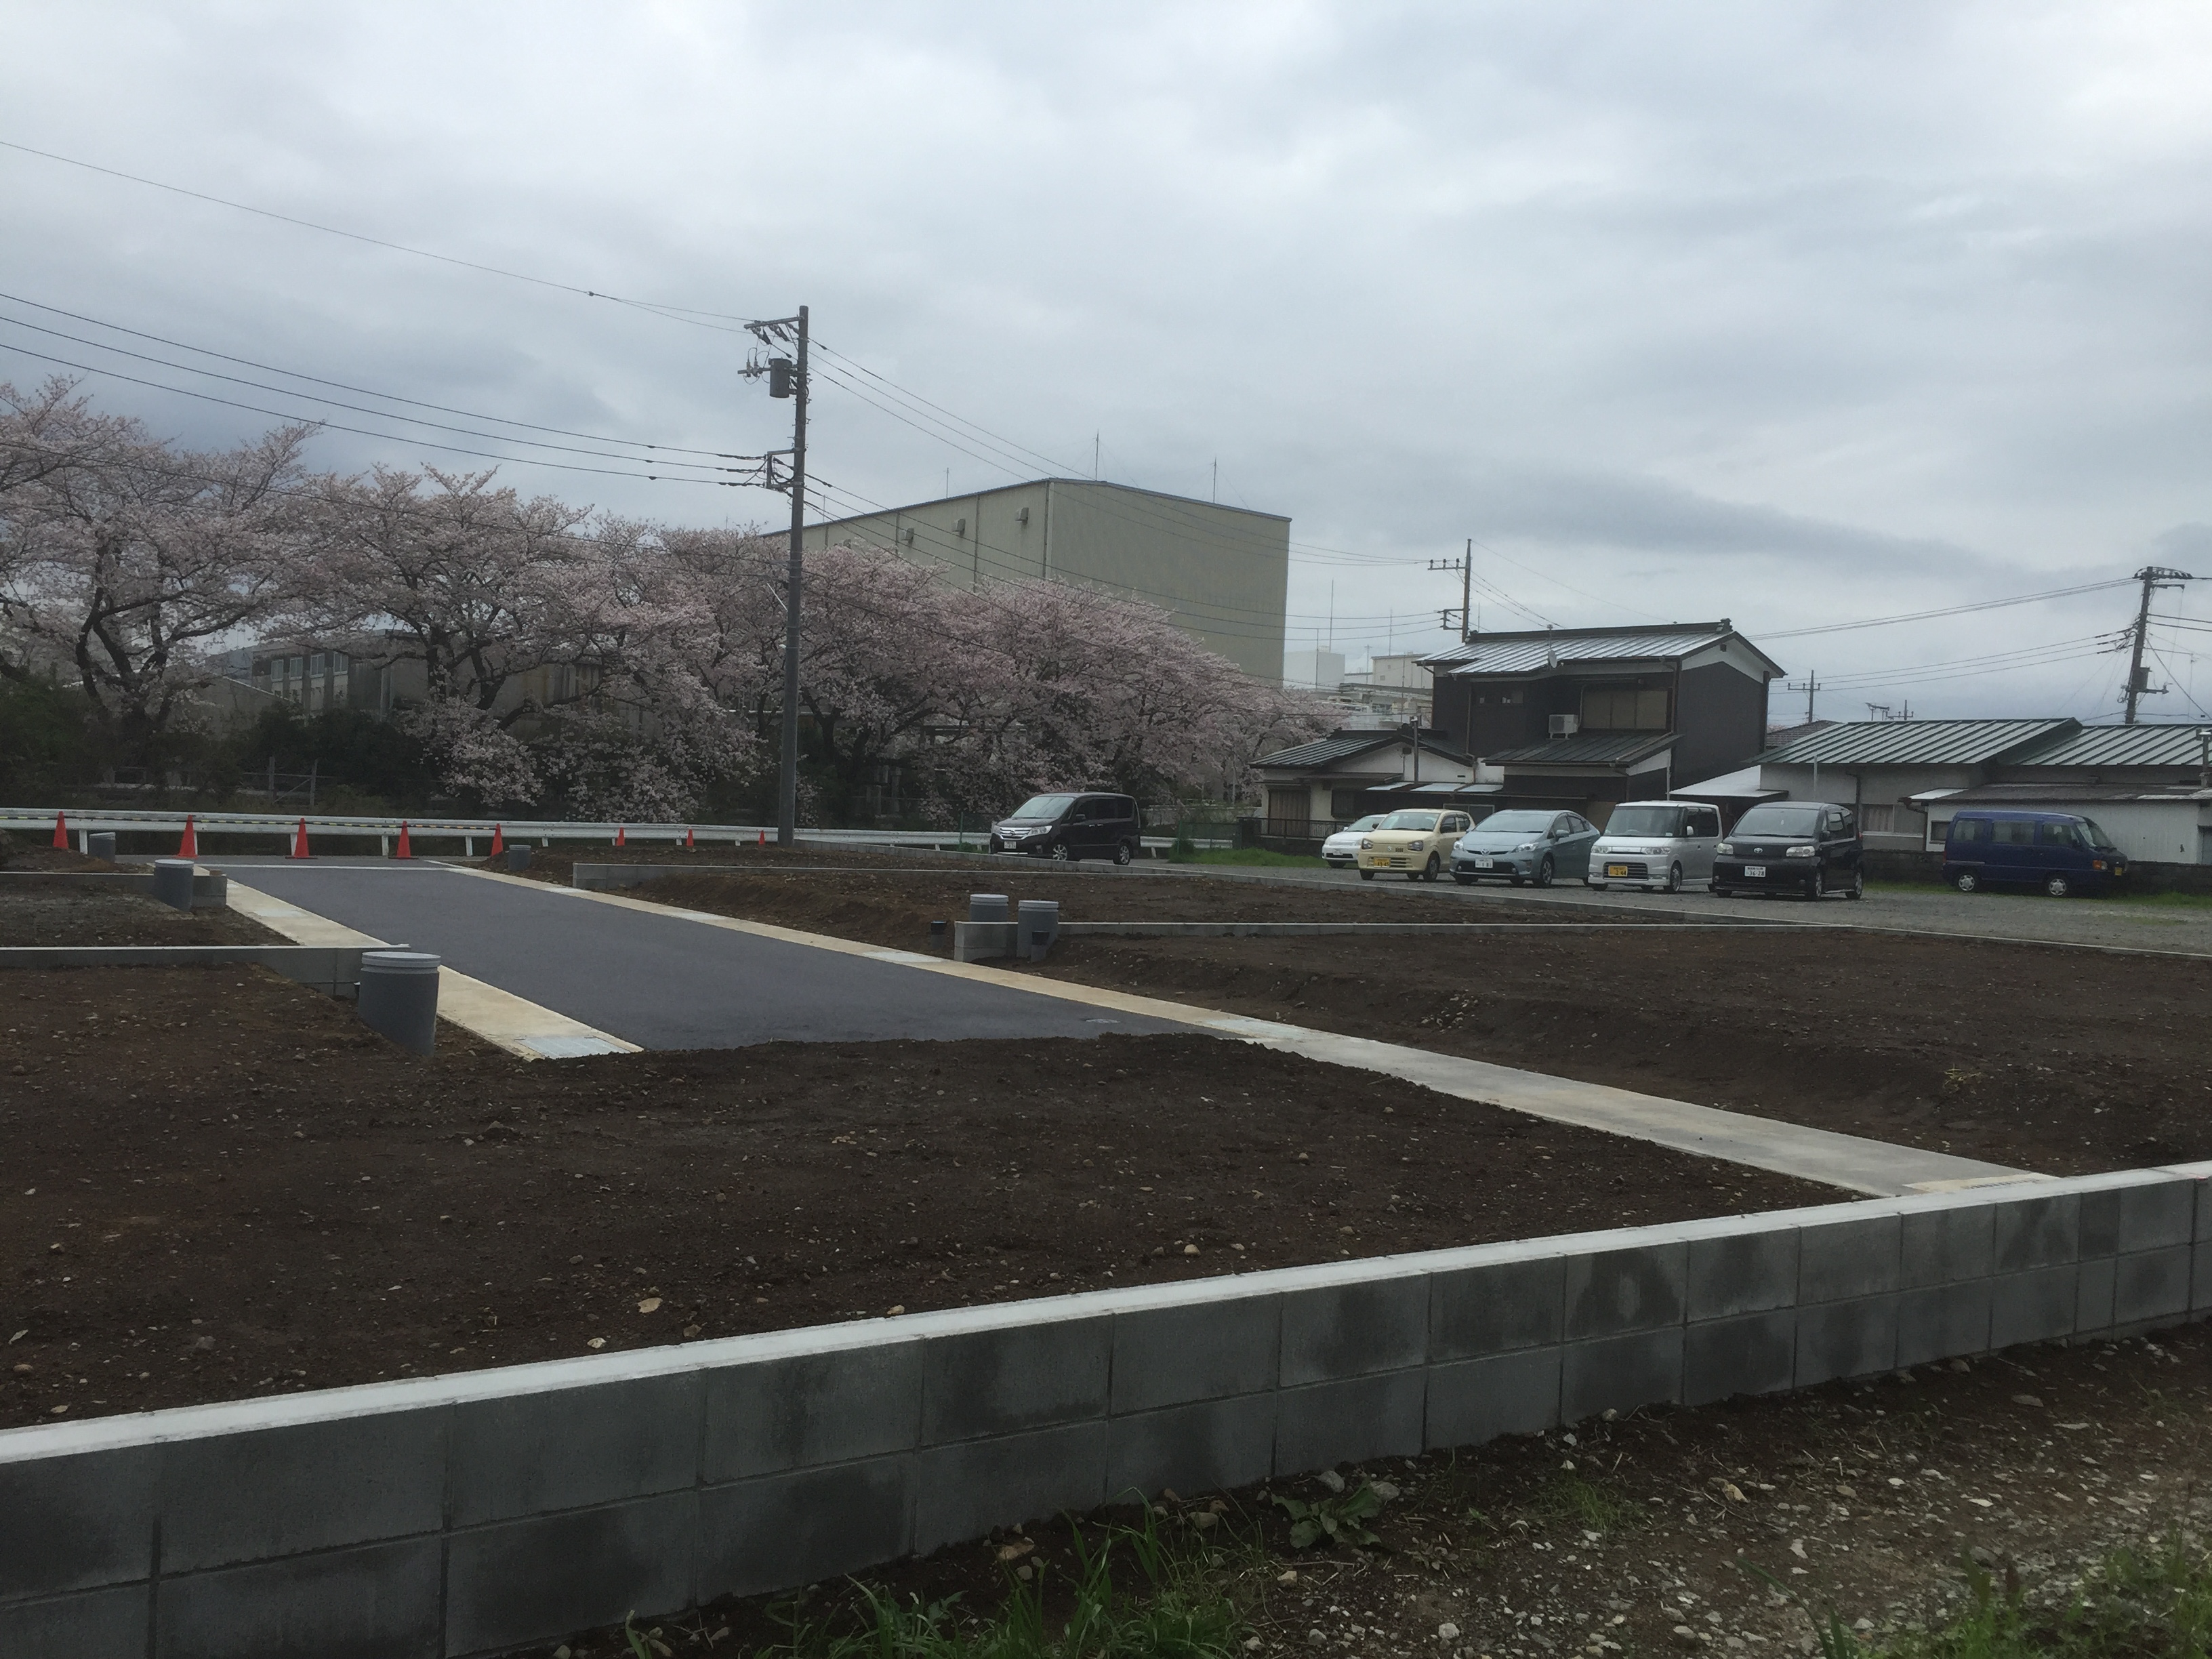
x: 1754, y: 872
x: 1482, y: 863
x: 1618, y: 870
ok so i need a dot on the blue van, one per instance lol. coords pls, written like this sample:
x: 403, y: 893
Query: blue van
x: 2062, y: 852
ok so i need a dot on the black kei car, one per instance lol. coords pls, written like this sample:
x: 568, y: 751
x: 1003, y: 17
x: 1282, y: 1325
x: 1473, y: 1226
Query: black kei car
x: 1068, y: 827
x: 1808, y: 848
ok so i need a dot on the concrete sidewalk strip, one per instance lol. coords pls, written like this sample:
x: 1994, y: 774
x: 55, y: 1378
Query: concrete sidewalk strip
x: 1849, y: 1161
x: 516, y: 1024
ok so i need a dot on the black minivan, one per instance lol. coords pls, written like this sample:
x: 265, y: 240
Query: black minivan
x: 1068, y: 827
x: 2062, y: 852
x: 1806, y: 846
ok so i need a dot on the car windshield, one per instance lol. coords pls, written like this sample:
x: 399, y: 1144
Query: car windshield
x: 1514, y: 823
x: 1410, y: 820
x: 2098, y: 838
x: 1644, y: 821
x: 1044, y: 806
x: 1780, y: 821
x: 1367, y: 822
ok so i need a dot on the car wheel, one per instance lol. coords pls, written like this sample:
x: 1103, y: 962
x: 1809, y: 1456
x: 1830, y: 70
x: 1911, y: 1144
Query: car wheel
x: 1125, y: 852
x: 1432, y: 869
x: 1595, y: 886
x: 2058, y: 887
x: 1673, y: 877
x: 1858, y: 885
x: 1544, y: 871
x: 1062, y: 853
x: 1966, y: 881
x: 1367, y: 875
x: 1723, y: 892
x: 1816, y: 886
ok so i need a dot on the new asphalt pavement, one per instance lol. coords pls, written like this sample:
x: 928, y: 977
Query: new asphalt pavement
x: 659, y: 980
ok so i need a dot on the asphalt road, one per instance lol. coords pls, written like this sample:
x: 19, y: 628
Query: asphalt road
x: 660, y: 981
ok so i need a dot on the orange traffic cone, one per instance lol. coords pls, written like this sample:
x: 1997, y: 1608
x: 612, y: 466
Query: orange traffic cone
x: 498, y: 839
x: 189, y: 848
x: 763, y: 838
x: 622, y: 835
x: 405, y: 849
x: 300, y: 842
x: 690, y: 843
x: 61, y: 832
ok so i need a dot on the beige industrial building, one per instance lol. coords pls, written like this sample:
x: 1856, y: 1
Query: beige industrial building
x: 1221, y: 572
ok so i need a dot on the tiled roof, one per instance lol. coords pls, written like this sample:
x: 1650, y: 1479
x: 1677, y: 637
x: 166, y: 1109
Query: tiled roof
x: 1593, y: 748
x: 1323, y: 752
x: 1918, y: 743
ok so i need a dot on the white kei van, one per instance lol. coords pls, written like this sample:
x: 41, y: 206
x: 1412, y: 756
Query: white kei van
x: 1666, y: 845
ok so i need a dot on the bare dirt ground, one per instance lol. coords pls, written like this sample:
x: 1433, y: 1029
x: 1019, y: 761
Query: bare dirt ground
x: 2058, y: 1061
x: 221, y: 1184
x: 1639, y: 1536
x: 90, y: 916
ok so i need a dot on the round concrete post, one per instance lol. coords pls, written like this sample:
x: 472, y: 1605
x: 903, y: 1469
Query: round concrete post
x: 172, y: 882
x: 399, y: 996
x: 987, y: 907
x: 518, y: 858
x: 102, y: 845
x: 1037, y: 918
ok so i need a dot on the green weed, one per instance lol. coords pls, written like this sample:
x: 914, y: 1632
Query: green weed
x: 1587, y: 1504
x: 1337, y: 1519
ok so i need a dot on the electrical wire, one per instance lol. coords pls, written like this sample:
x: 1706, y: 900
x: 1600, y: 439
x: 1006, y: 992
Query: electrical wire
x: 1948, y: 610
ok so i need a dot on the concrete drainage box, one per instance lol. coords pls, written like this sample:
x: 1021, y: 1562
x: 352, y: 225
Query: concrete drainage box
x: 453, y: 1515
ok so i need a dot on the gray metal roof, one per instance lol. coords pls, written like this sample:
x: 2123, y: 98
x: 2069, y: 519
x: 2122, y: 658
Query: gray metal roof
x: 1608, y: 749
x: 2125, y: 745
x: 1916, y: 742
x: 2027, y: 795
x: 1324, y: 751
x: 1529, y: 654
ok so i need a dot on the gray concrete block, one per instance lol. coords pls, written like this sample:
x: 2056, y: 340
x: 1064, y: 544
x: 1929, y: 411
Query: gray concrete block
x: 1643, y: 1288
x: 1210, y: 1351
x: 1744, y: 1272
x: 1353, y: 1330
x: 2032, y: 1307
x: 2200, y: 1276
x: 1001, y: 1382
x: 1350, y: 1421
x: 2158, y: 1215
x: 376, y: 1602
x: 2036, y: 1232
x: 1203, y: 1447
x: 1620, y: 1374
x: 962, y: 1491
x: 1474, y: 1401
x: 2152, y: 1284
x: 101, y: 1624
x: 68, y: 1523
x: 1846, y: 1339
x: 777, y: 1414
x: 1943, y: 1321
x: 1500, y: 1305
x: 271, y: 1492
x: 2099, y: 1229
x: 530, y: 1580
x: 1945, y: 1246
x: 1841, y: 1261
x: 564, y: 1449
x: 798, y: 1528
x: 2093, y: 1283
x: 1751, y: 1354
x: 2203, y: 1234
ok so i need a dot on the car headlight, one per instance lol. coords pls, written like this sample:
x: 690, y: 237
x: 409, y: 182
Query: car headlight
x: 1723, y: 848
x: 1800, y: 851
x: 1365, y: 845
x: 1526, y: 847
x: 1416, y: 845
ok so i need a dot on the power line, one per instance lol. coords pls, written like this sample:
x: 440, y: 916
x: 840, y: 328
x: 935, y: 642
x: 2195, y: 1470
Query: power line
x: 1948, y: 610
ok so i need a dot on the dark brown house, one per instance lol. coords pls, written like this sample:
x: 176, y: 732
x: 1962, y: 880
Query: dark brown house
x: 1584, y: 717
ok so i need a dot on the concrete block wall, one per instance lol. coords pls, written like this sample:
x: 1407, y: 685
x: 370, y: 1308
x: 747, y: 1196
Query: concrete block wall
x: 458, y: 1516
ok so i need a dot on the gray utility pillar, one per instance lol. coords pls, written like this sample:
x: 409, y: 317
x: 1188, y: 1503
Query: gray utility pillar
x: 399, y: 996
x: 172, y: 882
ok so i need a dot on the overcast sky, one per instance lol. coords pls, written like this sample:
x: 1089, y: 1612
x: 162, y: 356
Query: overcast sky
x: 1790, y: 313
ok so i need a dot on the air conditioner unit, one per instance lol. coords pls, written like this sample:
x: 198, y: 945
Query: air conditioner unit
x: 1565, y: 726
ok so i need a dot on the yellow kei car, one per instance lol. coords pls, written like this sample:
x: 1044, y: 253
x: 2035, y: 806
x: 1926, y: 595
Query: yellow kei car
x: 1417, y: 840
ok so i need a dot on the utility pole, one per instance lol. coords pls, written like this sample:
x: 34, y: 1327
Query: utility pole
x: 1811, y: 688
x: 788, y: 380
x: 2153, y: 577
x: 1463, y: 568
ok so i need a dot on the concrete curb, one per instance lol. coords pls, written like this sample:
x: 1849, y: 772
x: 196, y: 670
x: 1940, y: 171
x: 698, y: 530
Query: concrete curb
x: 209, y: 891
x: 463, y: 1514
x: 335, y: 968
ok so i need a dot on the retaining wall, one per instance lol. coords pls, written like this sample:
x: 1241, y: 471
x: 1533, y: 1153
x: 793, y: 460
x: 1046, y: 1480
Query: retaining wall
x: 465, y: 1515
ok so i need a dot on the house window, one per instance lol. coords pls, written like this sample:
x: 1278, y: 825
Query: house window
x: 1623, y: 709
x: 1289, y: 811
x: 1878, y: 820
x: 1344, y: 804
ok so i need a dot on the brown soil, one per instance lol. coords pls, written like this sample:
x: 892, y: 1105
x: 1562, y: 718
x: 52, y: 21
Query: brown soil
x: 222, y: 1184
x: 1639, y: 1536
x: 2035, y: 1056
x: 17, y: 856
x: 89, y: 916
